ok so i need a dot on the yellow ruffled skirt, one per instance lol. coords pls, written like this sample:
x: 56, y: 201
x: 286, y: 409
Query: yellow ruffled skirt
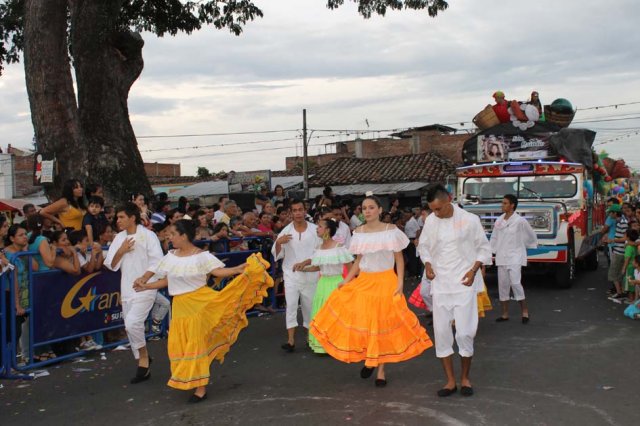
x: 484, y: 302
x: 205, y: 323
x: 364, y: 321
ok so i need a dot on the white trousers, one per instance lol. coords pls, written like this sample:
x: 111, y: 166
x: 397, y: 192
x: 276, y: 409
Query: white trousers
x: 135, y: 313
x: 302, y: 293
x: 461, y: 308
x: 510, y: 278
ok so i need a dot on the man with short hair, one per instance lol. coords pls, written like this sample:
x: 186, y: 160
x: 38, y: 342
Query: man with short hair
x: 616, y: 273
x: 343, y: 233
x: 161, y: 210
x: 134, y: 251
x: 28, y: 210
x: 230, y: 211
x: 511, y: 237
x: 453, y: 247
x: 219, y: 214
x: 411, y: 229
x: 296, y: 243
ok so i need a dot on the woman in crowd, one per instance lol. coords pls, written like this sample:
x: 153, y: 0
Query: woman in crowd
x: 15, y: 242
x: 37, y: 242
x: 203, y: 232
x: 204, y: 323
x: 278, y: 195
x: 139, y: 200
x: 173, y: 216
x: 69, y: 210
x: 330, y: 259
x: 367, y: 318
x: 67, y: 260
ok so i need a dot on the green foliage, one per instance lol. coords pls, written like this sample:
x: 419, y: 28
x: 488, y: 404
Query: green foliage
x: 203, y: 172
x: 367, y: 8
x: 171, y: 17
x: 11, y: 31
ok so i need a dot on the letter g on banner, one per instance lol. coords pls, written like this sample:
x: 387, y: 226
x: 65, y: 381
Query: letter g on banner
x: 66, y: 310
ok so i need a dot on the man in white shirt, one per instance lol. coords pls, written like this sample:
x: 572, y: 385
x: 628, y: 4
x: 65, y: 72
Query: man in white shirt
x: 453, y: 247
x: 355, y: 220
x: 134, y: 251
x: 343, y: 233
x: 218, y: 214
x: 510, y: 238
x: 297, y: 242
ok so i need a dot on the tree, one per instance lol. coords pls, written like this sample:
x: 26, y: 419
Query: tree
x: 94, y: 138
x: 203, y: 172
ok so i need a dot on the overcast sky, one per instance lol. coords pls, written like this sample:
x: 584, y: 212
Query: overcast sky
x: 403, y: 70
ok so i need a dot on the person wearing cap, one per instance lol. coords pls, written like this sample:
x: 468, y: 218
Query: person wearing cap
x: 501, y: 108
x: 616, y: 272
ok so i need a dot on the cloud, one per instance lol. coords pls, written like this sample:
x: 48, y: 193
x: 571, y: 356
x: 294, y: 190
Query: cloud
x: 405, y: 69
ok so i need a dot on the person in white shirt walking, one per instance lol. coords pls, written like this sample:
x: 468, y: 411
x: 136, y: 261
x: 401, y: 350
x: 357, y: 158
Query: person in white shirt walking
x: 411, y: 229
x: 511, y: 237
x: 134, y: 250
x: 453, y: 246
x: 296, y: 243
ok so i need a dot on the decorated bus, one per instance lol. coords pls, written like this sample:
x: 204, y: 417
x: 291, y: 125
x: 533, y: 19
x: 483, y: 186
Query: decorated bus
x: 551, y: 171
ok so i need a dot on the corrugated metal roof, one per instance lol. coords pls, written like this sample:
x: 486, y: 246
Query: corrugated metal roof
x: 376, y: 188
x: 220, y: 187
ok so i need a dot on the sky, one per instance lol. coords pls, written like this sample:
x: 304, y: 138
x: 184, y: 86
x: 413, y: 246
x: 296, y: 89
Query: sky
x: 359, y: 76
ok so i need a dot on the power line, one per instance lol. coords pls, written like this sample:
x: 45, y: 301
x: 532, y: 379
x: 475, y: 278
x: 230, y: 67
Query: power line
x: 228, y: 153
x: 609, y: 106
x: 217, y: 134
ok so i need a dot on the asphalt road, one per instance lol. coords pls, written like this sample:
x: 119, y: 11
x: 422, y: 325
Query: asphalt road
x: 576, y: 362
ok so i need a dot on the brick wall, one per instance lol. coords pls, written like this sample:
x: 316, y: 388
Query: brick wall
x: 22, y: 173
x: 447, y: 145
x: 162, y: 169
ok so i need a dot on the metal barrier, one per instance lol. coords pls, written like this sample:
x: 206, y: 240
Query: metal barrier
x: 53, y: 284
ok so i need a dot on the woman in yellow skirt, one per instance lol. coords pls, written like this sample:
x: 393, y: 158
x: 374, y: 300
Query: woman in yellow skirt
x: 204, y: 323
x: 367, y: 318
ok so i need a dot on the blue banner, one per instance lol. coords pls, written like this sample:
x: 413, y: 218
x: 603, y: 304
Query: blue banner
x: 65, y: 305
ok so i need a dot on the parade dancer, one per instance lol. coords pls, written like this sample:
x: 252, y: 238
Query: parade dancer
x: 511, y: 237
x: 330, y: 259
x: 134, y: 250
x: 367, y: 318
x: 204, y: 322
x: 453, y: 246
x: 296, y: 243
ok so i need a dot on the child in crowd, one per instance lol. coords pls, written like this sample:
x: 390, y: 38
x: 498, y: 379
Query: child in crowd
x: 220, y: 237
x: 93, y: 218
x: 630, y: 253
x: 236, y: 231
x: 266, y: 224
x: 633, y: 310
x: 90, y: 261
x: 161, y: 231
x: 105, y: 235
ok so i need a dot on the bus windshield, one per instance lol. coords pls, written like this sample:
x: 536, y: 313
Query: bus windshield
x: 524, y: 187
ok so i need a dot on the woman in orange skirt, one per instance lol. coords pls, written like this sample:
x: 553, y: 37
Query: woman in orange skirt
x: 367, y: 318
x: 204, y: 323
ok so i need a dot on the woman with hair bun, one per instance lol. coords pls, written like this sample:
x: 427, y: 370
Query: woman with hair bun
x: 329, y: 258
x: 204, y: 322
x: 367, y: 318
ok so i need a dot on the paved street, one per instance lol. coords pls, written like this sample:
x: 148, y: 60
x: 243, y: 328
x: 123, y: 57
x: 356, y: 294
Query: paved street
x: 574, y: 363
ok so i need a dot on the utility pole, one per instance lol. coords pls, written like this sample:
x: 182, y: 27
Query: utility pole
x: 305, y: 159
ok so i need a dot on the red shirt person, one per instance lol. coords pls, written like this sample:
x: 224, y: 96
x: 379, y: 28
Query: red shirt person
x: 501, y: 107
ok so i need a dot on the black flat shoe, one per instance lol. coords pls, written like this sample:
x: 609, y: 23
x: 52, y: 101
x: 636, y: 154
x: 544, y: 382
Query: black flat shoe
x: 142, y: 374
x: 447, y: 392
x: 501, y: 319
x: 466, y: 391
x: 525, y: 320
x: 380, y: 383
x: 288, y: 347
x: 194, y: 399
x: 366, y: 372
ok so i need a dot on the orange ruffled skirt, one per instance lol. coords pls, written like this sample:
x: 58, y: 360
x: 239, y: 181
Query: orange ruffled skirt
x: 364, y: 321
x: 205, y: 323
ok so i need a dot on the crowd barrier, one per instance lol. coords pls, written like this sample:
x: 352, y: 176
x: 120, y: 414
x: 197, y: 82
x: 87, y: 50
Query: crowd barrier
x: 63, y: 308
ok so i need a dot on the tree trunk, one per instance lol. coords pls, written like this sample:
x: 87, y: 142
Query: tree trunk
x: 107, y: 60
x: 54, y: 112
